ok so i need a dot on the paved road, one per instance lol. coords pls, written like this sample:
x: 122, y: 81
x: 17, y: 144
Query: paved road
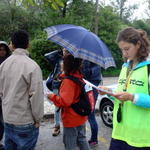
x: 109, y: 80
x: 47, y: 142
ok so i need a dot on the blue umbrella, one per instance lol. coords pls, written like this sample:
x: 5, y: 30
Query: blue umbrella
x: 81, y: 43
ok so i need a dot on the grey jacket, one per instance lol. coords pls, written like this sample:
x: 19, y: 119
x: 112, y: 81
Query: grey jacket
x: 21, y: 89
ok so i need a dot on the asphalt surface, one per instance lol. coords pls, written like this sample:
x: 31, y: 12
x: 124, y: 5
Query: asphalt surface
x: 109, y: 80
x: 47, y: 142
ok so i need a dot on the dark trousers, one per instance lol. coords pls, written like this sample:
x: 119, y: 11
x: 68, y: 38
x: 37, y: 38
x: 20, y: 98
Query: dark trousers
x: 75, y: 136
x: 1, y: 124
x: 121, y: 145
x: 93, y: 122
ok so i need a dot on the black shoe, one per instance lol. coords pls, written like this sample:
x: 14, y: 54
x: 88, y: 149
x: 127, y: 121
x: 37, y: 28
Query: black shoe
x: 56, y: 131
x: 1, y: 147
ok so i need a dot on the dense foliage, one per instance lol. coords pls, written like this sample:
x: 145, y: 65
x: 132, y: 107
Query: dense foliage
x: 38, y: 48
x: 34, y: 16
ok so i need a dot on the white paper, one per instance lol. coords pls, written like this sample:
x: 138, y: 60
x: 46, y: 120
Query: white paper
x: 100, y: 89
x: 46, y: 92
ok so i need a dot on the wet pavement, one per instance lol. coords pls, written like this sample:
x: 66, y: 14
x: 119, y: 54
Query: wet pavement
x: 47, y: 142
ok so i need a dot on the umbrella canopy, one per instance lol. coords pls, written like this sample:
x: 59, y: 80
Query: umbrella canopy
x: 81, y: 43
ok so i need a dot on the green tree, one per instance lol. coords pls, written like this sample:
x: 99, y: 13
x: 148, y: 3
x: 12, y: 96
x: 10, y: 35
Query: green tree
x: 147, y: 10
x: 120, y: 6
x: 39, y: 47
x: 34, y: 18
x: 81, y: 13
x: 55, y: 4
x: 125, y: 12
x: 109, y: 26
x: 141, y: 24
x: 15, y: 18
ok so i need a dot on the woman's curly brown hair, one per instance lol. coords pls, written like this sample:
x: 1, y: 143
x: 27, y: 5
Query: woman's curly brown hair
x: 132, y: 35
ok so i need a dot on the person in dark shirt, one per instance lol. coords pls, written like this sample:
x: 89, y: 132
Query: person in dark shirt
x: 92, y: 73
x: 52, y: 83
x: 4, y: 51
x: 4, y: 54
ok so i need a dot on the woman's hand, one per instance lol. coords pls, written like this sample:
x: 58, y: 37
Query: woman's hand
x: 37, y: 124
x: 49, y: 96
x: 124, y: 96
x: 104, y: 90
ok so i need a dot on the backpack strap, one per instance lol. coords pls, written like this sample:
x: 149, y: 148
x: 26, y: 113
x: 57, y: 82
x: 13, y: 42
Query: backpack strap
x: 83, y: 106
x: 76, y: 80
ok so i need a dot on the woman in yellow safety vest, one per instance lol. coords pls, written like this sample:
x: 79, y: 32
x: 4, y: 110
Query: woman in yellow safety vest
x: 131, y: 114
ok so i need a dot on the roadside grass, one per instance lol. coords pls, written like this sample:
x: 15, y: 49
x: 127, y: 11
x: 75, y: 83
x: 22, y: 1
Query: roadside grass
x: 110, y: 72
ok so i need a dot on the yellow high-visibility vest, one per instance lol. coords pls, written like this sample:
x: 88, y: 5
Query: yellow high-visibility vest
x: 134, y: 127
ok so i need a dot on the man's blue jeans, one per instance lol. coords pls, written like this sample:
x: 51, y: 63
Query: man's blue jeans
x: 57, y: 117
x: 57, y: 113
x: 20, y: 137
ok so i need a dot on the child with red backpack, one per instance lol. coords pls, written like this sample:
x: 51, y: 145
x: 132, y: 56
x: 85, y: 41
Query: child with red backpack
x: 69, y: 93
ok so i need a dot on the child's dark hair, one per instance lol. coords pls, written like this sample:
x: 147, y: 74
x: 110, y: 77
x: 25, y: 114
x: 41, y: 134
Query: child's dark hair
x: 71, y: 64
x: 20, y: 39
x: 132, y: 35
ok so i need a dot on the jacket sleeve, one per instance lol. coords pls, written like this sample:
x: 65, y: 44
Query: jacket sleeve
x: 36, y: 94
x: 0, y: 92
x: 69, y: 93
x: 142, y: 100
x: 1, y: 83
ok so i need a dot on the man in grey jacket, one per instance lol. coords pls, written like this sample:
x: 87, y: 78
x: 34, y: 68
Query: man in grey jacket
x: 21, y: 91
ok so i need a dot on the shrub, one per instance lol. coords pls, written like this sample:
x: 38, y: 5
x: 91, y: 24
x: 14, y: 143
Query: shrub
x: 38, y: 48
